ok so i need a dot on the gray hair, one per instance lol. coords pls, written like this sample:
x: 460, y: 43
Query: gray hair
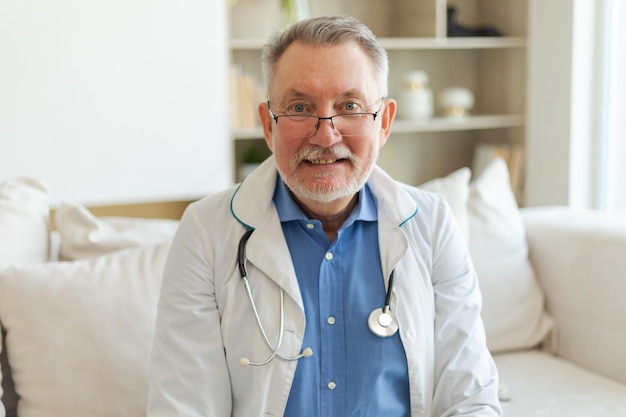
x: 328, y: 30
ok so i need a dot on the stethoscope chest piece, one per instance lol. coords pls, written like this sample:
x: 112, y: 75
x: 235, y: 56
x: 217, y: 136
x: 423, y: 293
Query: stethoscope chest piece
x: 382, y: 323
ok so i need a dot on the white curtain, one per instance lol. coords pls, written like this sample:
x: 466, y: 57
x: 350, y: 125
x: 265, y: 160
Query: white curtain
x: 610, y: 163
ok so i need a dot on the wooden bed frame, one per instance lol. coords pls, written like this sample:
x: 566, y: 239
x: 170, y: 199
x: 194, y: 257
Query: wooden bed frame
x: 154, y: 210
x: 162, y: 209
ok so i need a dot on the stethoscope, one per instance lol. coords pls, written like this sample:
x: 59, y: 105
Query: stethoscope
x: 381, y: 321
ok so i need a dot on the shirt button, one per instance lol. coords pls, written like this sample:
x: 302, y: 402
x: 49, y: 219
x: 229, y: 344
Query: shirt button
x: 332, y: 385
x: 310, y: 226
x: 330, y: 320
x: 328, y: 256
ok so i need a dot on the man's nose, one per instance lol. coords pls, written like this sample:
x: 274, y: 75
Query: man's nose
x: 325, y: 133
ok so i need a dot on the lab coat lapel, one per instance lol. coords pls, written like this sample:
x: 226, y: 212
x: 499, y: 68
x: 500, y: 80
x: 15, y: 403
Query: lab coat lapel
x: 395, y: 207
x: 393, y: 244
x: 252, y: 205
x: 268, y: 251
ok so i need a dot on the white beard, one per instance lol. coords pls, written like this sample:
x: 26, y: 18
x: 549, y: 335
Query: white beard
x: 326, y: 193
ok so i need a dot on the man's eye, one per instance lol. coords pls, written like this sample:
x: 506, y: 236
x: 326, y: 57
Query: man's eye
x: 350, y: 106
x: 298, y: 108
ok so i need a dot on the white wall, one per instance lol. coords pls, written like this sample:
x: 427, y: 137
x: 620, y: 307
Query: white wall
x: 115, y: 101
x: 549, y: 102
x: 564, y: 106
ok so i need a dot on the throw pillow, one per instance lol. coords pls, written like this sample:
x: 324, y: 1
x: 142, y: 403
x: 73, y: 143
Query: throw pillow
x: 455, y: 188
x: 24, y: 238
x: 79, y: 333
x: 24, y: 221
x: 513, y: 301
x: 83, y: 235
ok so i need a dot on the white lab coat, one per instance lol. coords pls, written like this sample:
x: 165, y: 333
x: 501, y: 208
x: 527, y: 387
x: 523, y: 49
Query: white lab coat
x: 205, y: 322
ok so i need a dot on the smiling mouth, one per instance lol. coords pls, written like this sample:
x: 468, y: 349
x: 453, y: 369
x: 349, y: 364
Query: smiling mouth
x: 323, y: 161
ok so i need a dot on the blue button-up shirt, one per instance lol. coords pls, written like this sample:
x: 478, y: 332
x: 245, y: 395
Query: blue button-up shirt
x: 352, y: 372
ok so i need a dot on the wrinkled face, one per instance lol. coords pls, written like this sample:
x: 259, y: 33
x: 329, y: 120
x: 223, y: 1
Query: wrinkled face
x: 331, y: 160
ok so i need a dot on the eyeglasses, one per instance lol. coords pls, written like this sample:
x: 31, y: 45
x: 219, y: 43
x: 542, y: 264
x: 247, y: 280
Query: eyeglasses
x: 305, y: 125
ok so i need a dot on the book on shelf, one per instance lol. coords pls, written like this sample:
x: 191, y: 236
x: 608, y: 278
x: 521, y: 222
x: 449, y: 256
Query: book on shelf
x: 511, y: 153
x: 244, y: 97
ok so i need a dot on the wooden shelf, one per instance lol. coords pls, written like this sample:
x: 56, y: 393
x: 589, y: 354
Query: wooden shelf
x: 251, y: 133
x: 452, y: 43
x: 436, y: 124
x: 449, y: 124
x: 413, y: 43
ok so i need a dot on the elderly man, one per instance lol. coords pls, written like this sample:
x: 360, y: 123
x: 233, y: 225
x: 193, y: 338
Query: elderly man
x: 320, y: 286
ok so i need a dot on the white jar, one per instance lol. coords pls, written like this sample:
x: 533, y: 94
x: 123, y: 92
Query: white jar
x: 415, y: 101
x: 456, y: 102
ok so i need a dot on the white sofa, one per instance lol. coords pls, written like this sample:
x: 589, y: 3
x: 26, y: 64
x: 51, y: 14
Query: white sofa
x: 580, y: 260
x: 78, y: 332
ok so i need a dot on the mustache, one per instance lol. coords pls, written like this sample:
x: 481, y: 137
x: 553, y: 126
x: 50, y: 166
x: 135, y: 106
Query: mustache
x: 338, y: 151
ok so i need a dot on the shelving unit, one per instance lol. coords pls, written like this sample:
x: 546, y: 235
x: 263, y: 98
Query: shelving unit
x: 254, y: 44
x: 414, y: 34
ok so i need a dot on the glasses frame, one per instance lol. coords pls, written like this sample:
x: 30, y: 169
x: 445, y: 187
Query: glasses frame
x: 319, y: 119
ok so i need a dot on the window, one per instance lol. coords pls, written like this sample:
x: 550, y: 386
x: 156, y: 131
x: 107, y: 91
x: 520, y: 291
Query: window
x: 610, y: 163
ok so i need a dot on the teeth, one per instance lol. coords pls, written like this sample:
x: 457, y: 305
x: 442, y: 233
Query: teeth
x: 323, y: 161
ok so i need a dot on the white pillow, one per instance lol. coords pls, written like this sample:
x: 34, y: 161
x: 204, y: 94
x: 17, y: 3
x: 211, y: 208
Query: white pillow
x: 83, y: 235
x: 79, y: 333
x: 455, y: 188
x: 24, y: 238
x: 24, y: 221
x: 513, y: 302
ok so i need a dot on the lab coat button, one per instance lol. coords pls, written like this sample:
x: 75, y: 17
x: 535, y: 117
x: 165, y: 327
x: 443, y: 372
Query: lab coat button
x: 332, y: 385
x: 328, y: 256
x: 330, y: 320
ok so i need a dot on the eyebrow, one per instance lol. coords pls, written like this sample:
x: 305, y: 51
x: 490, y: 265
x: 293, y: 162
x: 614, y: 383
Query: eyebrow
x: 302, y: 95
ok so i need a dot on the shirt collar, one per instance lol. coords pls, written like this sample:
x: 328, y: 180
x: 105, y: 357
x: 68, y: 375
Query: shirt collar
x: 288, y: 210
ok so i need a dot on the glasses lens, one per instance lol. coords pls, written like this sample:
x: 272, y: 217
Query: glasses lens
x: 297, y: 126
x: 354, y: 124
x: 306, y: 126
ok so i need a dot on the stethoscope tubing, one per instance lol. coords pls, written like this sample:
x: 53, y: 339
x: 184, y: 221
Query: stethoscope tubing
x: 279, y: 342
x: 241, y: 258
x: 381, y: 321
x: 241, y: 254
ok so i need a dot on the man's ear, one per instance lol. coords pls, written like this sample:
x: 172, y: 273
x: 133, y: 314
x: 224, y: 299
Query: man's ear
x: 387, y: 115
x: 266, y: 122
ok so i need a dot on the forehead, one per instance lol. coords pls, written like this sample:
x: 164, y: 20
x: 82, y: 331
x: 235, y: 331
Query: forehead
x: 322, y: 71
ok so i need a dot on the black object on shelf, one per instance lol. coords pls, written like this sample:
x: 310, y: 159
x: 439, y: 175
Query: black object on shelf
x: 456, y: 29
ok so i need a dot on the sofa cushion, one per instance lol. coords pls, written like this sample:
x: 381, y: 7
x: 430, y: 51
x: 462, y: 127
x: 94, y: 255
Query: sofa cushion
x: 79, y: 333
x: 581, y: 259
x: 535, y: 383
x: 513, y: 301
x: 83, y: 235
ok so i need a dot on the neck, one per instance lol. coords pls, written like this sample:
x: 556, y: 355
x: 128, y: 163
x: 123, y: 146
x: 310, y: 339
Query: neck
x: 332, y: 215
